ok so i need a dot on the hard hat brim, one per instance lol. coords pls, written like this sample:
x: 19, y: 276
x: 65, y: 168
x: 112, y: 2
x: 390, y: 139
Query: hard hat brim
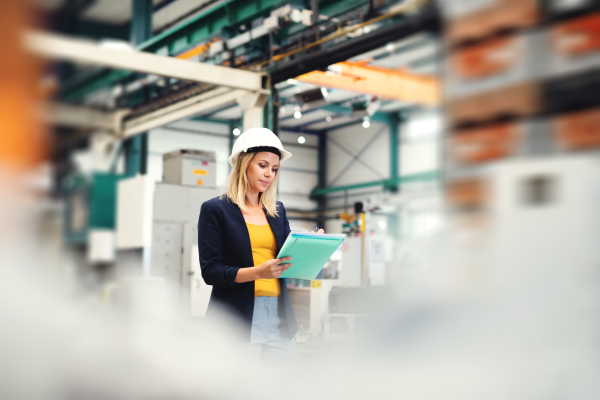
x: 284, y: 156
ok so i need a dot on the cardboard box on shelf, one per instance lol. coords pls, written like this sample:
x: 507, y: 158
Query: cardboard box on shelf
x: 470, y: 193
x: 495, y: 63
x: 484, y: 144
x: 510, y: 102
x: 578, y: 130
x: 574, y: 45
x: 491, y: 18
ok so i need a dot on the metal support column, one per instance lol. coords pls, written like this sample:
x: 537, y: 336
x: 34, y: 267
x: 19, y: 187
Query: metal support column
x: 136, y: 148
x: 273, y: 111
x: 394, y: 126
x: 232, y: 126
x: 253, y: 106
x: 322, y: 178
x: 315, y: 17
x: 393, y: 220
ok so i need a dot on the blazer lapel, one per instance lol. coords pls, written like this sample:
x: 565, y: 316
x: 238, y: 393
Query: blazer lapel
x: 277, y: 230
x: 244, y: 245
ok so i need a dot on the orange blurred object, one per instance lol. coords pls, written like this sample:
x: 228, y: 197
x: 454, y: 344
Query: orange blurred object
x: 580, y: 130
x: 198, y: 50
x: 467, y: 193
x: 484, y: 144
x: 394, y: 84
x: 492, y: 57
x: 21, y: 135
x: 518, y: 100
x: 503, y: 15
x: 577, y: 37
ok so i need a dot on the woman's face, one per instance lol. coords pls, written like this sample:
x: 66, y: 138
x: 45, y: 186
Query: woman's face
x: 262, y: 170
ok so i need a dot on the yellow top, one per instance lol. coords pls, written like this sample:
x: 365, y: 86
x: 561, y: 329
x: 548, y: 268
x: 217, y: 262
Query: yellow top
x: 264, y: 248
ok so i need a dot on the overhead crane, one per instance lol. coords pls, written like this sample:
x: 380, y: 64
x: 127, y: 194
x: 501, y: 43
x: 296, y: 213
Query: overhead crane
x: 209, y: 86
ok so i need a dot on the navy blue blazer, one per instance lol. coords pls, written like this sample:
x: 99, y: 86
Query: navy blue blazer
x: 224, y: 247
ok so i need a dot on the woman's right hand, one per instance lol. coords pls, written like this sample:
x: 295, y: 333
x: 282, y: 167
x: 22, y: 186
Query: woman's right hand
x: 273, y: 268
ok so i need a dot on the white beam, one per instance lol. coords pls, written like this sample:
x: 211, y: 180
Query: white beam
x: 180, y: 104
x: 80, y: 117
x: 203, y: 102
x: 252, y: 104
x: 60, y: 47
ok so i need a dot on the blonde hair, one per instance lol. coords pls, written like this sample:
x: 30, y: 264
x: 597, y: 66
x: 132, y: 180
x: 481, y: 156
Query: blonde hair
x: 237, y: 187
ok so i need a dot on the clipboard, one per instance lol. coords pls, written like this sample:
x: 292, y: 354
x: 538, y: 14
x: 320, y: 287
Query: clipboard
x: 309, y: 252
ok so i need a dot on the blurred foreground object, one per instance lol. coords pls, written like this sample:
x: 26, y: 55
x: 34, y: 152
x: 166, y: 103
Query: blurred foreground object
x: 21, y: 139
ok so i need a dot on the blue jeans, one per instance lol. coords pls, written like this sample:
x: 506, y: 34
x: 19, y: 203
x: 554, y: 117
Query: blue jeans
x: 269, y: 338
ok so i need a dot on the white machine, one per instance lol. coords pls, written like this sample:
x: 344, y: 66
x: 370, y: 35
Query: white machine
x: 157, y: 224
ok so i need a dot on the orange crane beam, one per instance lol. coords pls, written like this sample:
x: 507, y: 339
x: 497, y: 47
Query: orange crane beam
x: 392, y: 84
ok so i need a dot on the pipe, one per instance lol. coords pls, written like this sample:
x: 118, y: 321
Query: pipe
x: 387, y: 183
x: 404, y: 8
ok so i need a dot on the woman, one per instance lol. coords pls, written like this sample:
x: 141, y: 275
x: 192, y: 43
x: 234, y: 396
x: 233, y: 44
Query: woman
x: 239, y: 236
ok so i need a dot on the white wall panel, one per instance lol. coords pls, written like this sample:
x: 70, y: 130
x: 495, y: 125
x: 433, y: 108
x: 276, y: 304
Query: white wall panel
x: 353, y: 138
x: 297, y: 182
x: 302, y: 203
x: 302, y: 158
x: 419, y: 156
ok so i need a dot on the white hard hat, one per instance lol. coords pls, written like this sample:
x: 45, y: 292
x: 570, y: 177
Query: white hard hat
x: 257, y: 137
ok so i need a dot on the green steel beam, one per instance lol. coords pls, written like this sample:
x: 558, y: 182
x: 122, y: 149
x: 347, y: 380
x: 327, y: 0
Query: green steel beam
x: 210, y: 23
x: 201, y: 28
x: 329, y: 8
x: 182, y: 37
x: 394, y: 124
x: 136, y: 148
x: 322, y: 176
x: 386, y: 183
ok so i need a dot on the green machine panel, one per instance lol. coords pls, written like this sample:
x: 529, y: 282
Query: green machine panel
x: 90, y: 204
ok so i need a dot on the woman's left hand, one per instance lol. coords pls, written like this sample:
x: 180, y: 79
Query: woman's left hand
x: 320, y: 231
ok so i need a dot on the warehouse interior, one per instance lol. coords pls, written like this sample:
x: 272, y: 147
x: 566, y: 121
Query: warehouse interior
x: 455, y: 144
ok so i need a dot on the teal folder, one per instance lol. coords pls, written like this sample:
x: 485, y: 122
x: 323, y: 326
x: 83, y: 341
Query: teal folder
x: 309, y: 253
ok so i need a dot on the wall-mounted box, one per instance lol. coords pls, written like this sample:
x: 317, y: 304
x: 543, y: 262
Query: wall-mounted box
x: 134, y: 212
x: 190, y: 167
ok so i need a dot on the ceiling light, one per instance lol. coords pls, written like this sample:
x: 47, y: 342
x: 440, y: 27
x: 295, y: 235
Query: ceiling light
x: 335, y: 69
x: 328, y: 118
x: 297, y: 114
x: 117, y: 45
x: 366, y: 123
x: 389, y: 46
x: 310, y: 98
x: 237, y: 131
x: 301, y: 139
